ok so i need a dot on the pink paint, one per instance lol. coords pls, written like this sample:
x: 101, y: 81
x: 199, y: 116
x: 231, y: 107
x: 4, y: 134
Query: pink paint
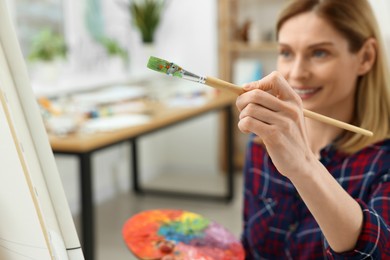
x: 177, y: 234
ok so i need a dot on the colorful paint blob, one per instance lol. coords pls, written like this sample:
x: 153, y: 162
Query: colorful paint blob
x: 169, y: 234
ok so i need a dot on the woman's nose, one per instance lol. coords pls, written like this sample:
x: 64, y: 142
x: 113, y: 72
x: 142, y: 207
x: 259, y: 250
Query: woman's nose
x: 300, y: 68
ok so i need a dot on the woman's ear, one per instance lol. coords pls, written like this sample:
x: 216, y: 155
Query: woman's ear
x: 367, y: 55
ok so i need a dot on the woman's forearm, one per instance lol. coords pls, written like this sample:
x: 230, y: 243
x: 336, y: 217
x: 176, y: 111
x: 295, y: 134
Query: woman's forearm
x: 339, y: 216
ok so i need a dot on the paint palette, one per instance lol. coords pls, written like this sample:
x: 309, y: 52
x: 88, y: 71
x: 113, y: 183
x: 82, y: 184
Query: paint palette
x: 169, y: 234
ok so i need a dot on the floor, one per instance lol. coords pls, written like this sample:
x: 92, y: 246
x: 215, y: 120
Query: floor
x: 112, y: 214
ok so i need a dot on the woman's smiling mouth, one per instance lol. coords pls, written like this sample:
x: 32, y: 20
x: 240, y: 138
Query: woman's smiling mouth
x: 306, y: 92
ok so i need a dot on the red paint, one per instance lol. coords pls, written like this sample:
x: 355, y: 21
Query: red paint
x: 141, y: 236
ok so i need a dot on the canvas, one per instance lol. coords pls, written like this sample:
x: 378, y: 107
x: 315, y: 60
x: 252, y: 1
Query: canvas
x: 35, y: 220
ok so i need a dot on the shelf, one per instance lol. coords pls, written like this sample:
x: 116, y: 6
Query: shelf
x: 251, y: 47
x: 232, y: 29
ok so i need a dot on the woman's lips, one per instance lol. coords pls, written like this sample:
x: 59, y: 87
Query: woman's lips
x: 306, y: 92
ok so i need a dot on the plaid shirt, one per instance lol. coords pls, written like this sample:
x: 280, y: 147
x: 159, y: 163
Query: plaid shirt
x: 278, y: 225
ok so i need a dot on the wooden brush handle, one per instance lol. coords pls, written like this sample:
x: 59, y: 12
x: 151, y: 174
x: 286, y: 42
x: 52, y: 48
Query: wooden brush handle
x: 334, y: 122
x: 221, y: 84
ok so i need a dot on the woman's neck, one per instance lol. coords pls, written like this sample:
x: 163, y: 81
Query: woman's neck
x: 320, y: 135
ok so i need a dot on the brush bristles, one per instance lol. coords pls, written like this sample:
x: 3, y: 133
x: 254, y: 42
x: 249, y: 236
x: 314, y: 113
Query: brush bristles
x: 157, y: 64
x: 164, y: 66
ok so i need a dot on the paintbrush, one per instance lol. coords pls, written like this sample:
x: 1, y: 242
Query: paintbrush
x: 174, y: 70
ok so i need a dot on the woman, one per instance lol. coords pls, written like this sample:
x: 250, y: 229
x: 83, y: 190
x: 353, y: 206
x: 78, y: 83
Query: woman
x: 313, y: 190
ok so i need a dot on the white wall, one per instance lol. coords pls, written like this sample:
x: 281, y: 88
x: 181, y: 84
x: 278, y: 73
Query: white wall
x: 382, y: 11
x: 187, y: 36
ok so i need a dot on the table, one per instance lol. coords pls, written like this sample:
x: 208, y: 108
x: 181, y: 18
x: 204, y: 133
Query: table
x: 84, y: 146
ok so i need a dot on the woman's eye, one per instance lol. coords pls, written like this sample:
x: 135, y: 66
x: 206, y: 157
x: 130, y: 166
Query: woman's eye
x: 320, y: 53
x: 285, y: 53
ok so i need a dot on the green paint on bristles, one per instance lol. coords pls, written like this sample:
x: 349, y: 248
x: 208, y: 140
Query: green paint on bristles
x: 165, y: 67
x: 157, y: 64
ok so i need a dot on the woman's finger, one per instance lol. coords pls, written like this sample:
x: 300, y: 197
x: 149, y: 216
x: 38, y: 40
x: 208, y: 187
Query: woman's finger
x: 261, y: 98
x: 275, y: 84
x: 260, y: 113
x: 251, y: 125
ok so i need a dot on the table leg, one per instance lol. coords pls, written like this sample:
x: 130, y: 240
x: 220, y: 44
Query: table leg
x: 134, y: 164
x: 229, y: 153
x: 229, y: 167
x: 87, y: 210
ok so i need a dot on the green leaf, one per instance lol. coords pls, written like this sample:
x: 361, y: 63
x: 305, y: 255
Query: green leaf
x: 47, y: 46
x: 146, y: 17
x: 113, y: 48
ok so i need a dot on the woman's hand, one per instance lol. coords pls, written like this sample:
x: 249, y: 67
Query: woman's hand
x: 273, y: 111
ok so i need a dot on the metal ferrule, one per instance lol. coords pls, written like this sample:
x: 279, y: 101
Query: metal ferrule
x: 193, y: 77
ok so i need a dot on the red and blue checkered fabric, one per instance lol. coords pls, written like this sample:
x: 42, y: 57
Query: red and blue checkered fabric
x: 278, y: 225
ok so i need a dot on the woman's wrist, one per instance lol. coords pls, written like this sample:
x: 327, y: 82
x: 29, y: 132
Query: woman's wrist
x: 307, y: 170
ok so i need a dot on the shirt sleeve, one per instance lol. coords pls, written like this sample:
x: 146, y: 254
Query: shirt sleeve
x: 374, y: 239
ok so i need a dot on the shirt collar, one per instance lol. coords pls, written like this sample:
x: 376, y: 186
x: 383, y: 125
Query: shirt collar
x: 330, y: 154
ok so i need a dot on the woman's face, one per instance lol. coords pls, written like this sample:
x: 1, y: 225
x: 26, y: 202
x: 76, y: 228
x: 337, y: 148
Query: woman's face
x: 316, y: 61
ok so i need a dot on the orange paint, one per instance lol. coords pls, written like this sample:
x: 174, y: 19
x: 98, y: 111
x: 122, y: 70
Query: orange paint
x: 141, y: 234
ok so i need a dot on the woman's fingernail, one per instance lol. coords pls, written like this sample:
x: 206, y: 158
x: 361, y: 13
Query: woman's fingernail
x: 247, y: 87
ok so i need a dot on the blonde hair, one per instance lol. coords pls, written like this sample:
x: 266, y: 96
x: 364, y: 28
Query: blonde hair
x: 355, y: 20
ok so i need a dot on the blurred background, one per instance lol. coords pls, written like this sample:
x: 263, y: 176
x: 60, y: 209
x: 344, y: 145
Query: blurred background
x: 76, y: 49
x: 75, y: 46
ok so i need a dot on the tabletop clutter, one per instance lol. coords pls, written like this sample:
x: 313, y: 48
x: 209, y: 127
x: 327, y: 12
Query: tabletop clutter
x: 115, y: 107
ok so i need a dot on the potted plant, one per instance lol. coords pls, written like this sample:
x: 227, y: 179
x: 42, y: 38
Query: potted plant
x: 118, y: 56
x: 47, y: 46
x: 146, y: 16
x: 47, y: 53
x: 113, y: 48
